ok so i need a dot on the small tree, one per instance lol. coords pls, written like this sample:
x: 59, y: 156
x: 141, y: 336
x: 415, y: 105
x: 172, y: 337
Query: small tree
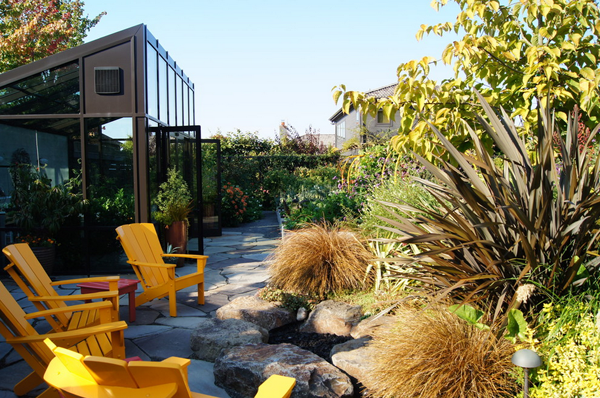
x: 33, y: 29
x: 518, y: 54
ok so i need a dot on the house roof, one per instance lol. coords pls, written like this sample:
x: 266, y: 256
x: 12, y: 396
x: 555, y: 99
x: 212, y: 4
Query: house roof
x: 380, y: 92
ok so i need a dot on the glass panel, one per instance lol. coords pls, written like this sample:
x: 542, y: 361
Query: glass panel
x: 180, y: 113
x: 58, y: 157
x: 152, y: 80
x: 110, y: 190
x: 172, y: 102
x: 186, y: 104
x: 53, y: 91
x: 192, y: 108
x: 211, y: 202
x: 162, y: 90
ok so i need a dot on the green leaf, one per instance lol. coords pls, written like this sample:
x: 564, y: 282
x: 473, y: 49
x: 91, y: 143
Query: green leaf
x: 467, y: 312
x: 516, y: 326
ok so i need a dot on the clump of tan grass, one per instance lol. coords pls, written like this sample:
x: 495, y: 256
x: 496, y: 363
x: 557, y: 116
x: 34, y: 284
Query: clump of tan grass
x: 320, y: 259
x: 433, y: 353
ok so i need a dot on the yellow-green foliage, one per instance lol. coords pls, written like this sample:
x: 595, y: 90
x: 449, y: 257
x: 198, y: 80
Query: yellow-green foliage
x: 319, y: 260
x: 433, y: 353
x: 570, y: 349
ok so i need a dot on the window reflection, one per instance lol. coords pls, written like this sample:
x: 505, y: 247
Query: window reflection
x: 53, y: 91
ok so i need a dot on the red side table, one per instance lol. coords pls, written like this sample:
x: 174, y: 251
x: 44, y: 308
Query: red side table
x: 126, y: 286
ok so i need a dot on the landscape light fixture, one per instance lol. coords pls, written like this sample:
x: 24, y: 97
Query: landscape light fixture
x: 526, y: 359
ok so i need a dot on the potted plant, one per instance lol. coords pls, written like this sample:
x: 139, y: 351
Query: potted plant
x: 174, y: 203
x: 40, y: 209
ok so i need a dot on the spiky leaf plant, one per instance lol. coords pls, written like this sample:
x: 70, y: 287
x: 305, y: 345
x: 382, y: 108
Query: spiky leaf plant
x: 498, y: 227
x: 319, y: 259
x: 433, y: 353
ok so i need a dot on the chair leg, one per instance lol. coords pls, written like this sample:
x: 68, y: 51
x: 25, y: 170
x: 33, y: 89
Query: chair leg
x: 30, y: 382
x: 201, y: 293
x: 173, y: 303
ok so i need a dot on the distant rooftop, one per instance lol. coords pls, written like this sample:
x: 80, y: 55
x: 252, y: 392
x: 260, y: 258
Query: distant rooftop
x: 380, y: 92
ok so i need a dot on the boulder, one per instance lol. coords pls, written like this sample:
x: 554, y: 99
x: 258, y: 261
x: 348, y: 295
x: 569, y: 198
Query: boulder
x: 332, y: 317
x: 214, y: 335
x: 368, y: 326
x: 240, y: 370
x: 260, y: 312
x: 354, y: 357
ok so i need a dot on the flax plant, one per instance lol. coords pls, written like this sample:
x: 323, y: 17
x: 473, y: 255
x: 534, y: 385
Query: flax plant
x: 319, y: 259
x: 498, y: 227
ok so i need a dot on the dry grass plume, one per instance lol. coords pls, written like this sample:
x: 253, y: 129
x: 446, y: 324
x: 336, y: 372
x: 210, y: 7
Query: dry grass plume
x: 433, y: 353
x: 319, y: 260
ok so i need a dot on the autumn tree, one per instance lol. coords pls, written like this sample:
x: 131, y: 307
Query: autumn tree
x: 519, y: 54
x: 33, y: 29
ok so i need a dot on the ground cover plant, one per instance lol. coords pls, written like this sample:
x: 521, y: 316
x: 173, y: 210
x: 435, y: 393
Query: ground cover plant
x: 496, y: 228
x: 318, y: 260
x: 568, y: 340
x: 431, y: 352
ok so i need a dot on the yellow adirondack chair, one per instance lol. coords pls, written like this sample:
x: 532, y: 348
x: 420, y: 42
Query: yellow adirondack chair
x: 30, y: 276
x: 158, y: 280
x: 106, y: 339
x: 75, y: 375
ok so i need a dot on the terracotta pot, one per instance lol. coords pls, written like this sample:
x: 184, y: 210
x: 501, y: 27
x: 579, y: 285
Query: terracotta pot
x: 177, y: 237
x: 46, y: 256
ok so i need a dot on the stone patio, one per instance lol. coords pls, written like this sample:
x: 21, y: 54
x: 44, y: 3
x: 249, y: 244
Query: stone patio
x: 235, y: 268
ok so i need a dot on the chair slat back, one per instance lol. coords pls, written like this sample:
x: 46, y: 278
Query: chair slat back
x: 14, y: 324
x: 141, y: 243
x: 26, y: 270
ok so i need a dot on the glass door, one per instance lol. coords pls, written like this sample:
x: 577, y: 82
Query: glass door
x: 179, y: 147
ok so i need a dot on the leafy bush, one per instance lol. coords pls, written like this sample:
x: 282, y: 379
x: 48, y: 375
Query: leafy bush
x: 395, y: 190
x: 570, y: 349
x: 319, y: 204
x: 174, y: 200
x: 495, y: 229
x: 319, y: 259
x: 233, y: 205
x: 433, y: 353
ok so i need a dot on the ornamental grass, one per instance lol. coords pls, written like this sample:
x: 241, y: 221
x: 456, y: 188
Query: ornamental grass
x: 320, y: 259
x: 433, y: 353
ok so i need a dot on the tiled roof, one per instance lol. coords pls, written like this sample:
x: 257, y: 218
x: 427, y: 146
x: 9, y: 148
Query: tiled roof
x: 382, y: 92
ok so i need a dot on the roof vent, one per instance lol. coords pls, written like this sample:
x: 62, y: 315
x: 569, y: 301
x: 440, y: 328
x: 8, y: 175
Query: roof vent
x: 107, y: 80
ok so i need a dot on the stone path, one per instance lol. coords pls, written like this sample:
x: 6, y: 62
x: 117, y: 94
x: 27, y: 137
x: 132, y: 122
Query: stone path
x: 235, y: 268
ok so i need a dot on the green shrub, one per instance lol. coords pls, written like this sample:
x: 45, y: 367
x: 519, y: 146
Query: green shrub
x: 291, y: 301
x: 319, y: 259
x: 570, y: 350
x: 394, y: 190
x: 433, y: 353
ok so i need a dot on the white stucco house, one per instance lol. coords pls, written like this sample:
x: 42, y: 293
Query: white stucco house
x: 355, y: 123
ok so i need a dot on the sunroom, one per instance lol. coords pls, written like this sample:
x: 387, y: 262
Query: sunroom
x: 117, y: 113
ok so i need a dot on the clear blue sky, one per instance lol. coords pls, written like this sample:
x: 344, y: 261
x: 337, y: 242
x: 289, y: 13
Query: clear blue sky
x: 256, y: 63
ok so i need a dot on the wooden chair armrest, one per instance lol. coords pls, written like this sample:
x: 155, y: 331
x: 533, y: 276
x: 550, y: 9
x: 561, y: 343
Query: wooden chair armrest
x: 156, y: 265
x: 195, y: 256
x: 198, y: 257
x: 182, y: 362
x: 71, y: 334
x: 71, y: 308
x: 77, y: 297
x: 85, y: 280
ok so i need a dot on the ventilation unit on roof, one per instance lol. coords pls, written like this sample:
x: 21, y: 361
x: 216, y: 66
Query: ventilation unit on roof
x: 107, y: 80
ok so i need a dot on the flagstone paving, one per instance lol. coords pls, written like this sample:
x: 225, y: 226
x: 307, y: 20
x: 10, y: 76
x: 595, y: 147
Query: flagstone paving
x: 236, y: 267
